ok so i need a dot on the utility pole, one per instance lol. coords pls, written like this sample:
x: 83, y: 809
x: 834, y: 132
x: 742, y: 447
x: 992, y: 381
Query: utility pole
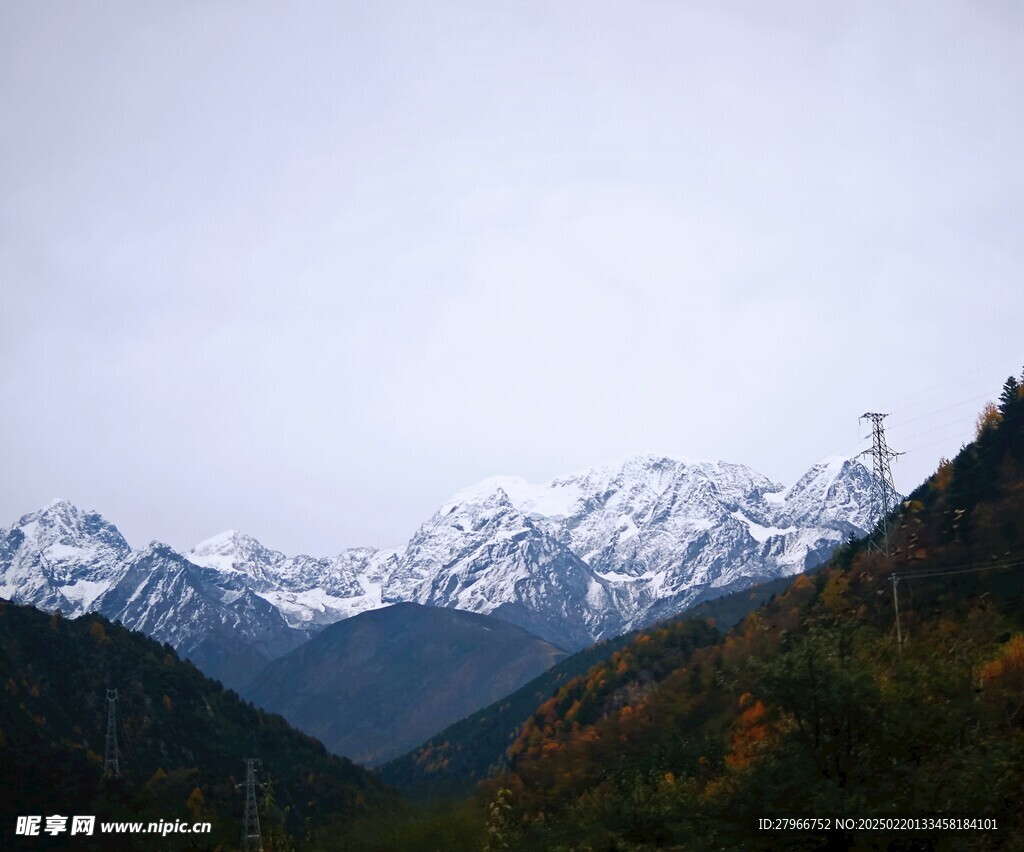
x: 896, y: 604
x: 886, y: 494
x: 251, y: 840
x: 111, y: 766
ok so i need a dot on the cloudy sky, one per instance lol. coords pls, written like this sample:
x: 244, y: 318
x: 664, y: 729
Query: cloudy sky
x: 307, y: 269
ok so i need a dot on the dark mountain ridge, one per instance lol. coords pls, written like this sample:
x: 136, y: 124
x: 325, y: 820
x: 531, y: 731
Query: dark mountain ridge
x: 376, y: 684
x: 182, y: 739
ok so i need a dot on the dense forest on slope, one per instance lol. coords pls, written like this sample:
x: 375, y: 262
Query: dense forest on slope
x: 455, y: 760
x: 182, y: 742
x: 812, y: 708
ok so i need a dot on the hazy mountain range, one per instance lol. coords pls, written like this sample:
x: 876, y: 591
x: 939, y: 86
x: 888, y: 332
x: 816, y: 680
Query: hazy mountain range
x: 572, y: 560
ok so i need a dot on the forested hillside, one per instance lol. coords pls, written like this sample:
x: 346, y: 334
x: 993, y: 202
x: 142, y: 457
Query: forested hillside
x: 476, y: 747
x: 812, y: 707
x: 182, y: 740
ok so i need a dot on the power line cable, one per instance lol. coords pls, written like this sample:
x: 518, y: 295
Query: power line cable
x: 936, y: 442
x: 967, y: 439
x: 948, y: 572
x: 995, y: 368
x: 945, y: 408
x: 962, y: 419
x: 971, y: 417
x: 976, y: 374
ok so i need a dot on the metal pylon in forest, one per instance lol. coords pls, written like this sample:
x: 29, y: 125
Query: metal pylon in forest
x: 251, y: 840
x: 886, y: 495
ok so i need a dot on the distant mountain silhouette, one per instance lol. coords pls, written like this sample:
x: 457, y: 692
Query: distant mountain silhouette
x: 373, y: 686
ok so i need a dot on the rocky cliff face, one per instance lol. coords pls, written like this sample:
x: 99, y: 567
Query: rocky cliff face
x: 575, y: 559
x: 613, y: 548
x: 61, y: 558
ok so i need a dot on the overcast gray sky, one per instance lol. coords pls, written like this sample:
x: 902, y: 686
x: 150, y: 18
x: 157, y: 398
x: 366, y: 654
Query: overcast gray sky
x: 306, y: 269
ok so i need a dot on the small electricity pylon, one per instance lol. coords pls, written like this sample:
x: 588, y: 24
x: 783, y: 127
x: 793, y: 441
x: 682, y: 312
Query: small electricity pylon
x: 886, y: 495
x: 111, y: 765
x: 251, y: 840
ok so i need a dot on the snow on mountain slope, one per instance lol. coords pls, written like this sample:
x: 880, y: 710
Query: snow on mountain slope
x: 308, y: 591
x: 837, y: 493
x: 484, y: 555
x: 164, y: 595
x: 658, y: 534
x: 60, y: 557
x: 574, y: 559
x: 63, y: 558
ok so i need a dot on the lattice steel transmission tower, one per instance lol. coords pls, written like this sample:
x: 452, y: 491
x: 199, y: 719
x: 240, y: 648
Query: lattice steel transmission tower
x: 886, y: 495
x: 251, y: 840
x: 111, y: 765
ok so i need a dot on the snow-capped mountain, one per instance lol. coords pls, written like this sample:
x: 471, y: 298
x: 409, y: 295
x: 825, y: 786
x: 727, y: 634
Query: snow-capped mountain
x: 484, y: 555
x: 574, y: 559
x: 243, y: 606
x: 165, y: 596
x: 308, y: 591
x: 60, y: 558
x: 651, y: 536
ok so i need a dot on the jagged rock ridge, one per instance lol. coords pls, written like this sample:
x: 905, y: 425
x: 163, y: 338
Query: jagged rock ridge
x: 575, y: 559
x: 613, y: 548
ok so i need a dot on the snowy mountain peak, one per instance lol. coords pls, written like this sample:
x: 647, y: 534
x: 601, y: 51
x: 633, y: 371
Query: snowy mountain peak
x: 576, y: 558
x: 483, y: 491
x: 235, y: 552
x: 837, y: 492
x: 489, y: 497
x: 60, y: 555
x: 62, y: 521
x: 235, y: 544
x: 307, y: 590
x: 159, y: 548
x: 627, y: 542
x: 220, y: 542
x: 828, y: 470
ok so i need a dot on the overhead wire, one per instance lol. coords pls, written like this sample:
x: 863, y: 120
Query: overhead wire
x: 935, y: 443
x: 977, y: 374
x: 963, y: 434
x: 964, y: 568
x: 970, y: 417
x: 966, y: 434
x: 895, y: 426
x: 940, y: 410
